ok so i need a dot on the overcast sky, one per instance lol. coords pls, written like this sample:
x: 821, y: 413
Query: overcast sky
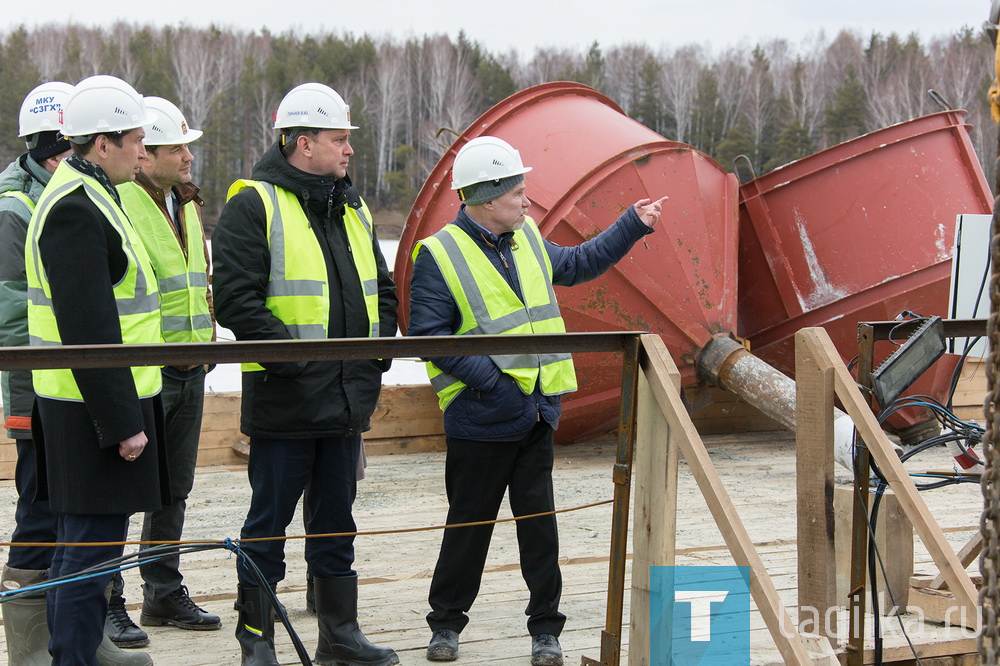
x: 526, y: 25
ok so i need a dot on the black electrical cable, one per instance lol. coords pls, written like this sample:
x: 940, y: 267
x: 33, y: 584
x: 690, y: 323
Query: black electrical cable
x: 902, y: 322
x: 156, y: 553
x: 876, y: 611
x: 279, y: 608
x: 875, y: 557
x: 958, y: 431
x: 854, y: 362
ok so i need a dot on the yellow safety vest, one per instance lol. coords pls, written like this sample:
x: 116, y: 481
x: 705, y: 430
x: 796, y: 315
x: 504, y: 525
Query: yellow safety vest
x: 298, y: 292
x: 489, y: 306
x: 136, y: 295
x: 183, y: 283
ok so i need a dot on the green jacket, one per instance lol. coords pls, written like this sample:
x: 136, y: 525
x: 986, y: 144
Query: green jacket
x: 26, y: 177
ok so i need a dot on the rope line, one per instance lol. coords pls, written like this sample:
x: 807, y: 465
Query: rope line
x: 402, y: 530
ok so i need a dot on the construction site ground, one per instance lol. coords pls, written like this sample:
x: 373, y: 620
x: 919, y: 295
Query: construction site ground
x: 407, y: 491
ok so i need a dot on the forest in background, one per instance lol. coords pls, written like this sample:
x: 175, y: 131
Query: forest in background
x: 774, y: 101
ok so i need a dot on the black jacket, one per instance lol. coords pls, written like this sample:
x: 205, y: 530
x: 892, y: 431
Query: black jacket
x: 299, y: 400
x: 77, y: 442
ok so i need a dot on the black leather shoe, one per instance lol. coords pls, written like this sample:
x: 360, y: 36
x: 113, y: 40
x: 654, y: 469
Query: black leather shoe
x: 545, y: 651
x: 178, y: 610
x: 443, y: 646
x: 120, y: 628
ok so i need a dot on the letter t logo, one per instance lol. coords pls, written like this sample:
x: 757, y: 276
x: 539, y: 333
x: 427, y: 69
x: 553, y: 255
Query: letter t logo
x: 701, y: 610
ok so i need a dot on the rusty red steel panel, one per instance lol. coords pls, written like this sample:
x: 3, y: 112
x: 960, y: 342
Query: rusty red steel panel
x: 858, y: 232
x: 590, y: 162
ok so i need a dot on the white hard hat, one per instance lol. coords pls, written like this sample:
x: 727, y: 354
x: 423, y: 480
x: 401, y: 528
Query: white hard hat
x: 40, y: 109
x: 483, y: 159
x: 102, y: 104
x: 313, y: 105
x: 170, y: 127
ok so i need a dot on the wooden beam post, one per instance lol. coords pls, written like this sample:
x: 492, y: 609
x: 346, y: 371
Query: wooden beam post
x: 814, y: 481
x: 655, y: 511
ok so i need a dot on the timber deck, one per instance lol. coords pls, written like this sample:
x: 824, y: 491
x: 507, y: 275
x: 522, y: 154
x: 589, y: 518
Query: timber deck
x: 407, y: 490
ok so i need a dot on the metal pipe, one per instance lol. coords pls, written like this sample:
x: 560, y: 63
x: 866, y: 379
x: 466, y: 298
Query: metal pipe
x: 728, y: 364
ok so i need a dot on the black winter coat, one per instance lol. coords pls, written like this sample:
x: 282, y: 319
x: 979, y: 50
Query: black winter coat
x: 308, y: 399
x: 80, y: 470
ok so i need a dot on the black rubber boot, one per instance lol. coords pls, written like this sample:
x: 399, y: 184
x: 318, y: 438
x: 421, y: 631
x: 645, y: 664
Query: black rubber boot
x: 341, y: 642
x: 255, y: 627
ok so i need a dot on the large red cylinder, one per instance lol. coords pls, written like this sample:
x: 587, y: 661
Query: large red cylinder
x: 860, y: 231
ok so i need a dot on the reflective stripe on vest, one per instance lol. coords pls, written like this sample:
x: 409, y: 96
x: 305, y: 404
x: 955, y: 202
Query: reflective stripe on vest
x: 489, y: 306
x: 136, y: 296
x: 298, y: 292
x: 183, y: 283
x: 22, y: 197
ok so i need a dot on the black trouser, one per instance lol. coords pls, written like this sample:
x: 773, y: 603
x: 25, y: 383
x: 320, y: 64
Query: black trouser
x: 34, y: 521
x: 279, y: 471
x: 476, y: 475
x: 76, y: 611
x: 183, y: 403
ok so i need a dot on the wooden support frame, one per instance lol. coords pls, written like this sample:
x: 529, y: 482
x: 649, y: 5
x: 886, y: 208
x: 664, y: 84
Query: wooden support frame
x: 655, y: 515
x: 967, y: 555
x: 814, y: 479
x: 819, y: 347
x: 659, y: 369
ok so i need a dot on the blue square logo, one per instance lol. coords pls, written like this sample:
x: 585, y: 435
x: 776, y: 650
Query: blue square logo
x: 699, y: 615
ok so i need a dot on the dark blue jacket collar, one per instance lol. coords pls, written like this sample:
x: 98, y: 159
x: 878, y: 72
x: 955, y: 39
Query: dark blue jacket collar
x: 478, y: 231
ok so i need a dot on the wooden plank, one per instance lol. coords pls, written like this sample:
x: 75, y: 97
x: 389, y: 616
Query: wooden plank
x: 221, y: 420
x: 655, y: 513
x: 417, y: 425
x: 221, y: 456
x: 894, y: 538
x: 390, y: 445
x: 659, y: 368
x: 970, y: 551
x: 882, y: 452
x: 8, y: 451
x: 218, y: 439
x: 226, y: 402
x: 814, y: 481
x: 405, y: 411
x: 970, y: 392
x: 925, y: 650
x: 940, y: 605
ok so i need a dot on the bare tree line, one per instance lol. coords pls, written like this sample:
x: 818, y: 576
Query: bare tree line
x: 774, y: 101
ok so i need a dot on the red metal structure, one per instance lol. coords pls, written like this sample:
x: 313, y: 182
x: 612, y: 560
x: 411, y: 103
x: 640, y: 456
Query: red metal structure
x: 857, y: 232
x: 860, y: 231
x: 590, y: 162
